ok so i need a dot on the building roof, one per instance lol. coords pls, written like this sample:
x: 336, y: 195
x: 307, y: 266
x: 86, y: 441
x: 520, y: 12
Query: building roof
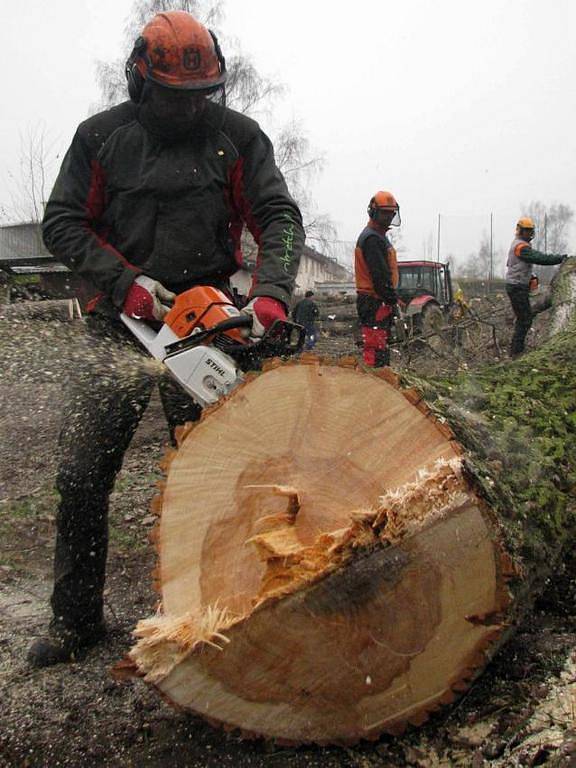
x: 22, y: 243
x: 421, y: 263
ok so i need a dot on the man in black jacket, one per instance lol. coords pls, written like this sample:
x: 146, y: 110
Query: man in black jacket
x: 151, y: 200
x: 305, y: 312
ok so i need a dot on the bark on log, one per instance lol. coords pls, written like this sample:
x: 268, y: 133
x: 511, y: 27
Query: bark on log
x: 341, y: 554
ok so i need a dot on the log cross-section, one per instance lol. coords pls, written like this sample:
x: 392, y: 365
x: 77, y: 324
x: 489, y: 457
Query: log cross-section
x: 322, y: 561
x: 338, y: 560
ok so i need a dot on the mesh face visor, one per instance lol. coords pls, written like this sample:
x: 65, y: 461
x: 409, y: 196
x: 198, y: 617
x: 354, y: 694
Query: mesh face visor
x: 178, y: 102
x: 525, y: 232
x: 173, y: 113
x: 390, y: 217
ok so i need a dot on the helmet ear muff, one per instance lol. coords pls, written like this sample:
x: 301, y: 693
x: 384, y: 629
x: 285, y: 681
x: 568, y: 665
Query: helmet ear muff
x: 372, y: 208
x: 134, y: 77
x: 218, y: 51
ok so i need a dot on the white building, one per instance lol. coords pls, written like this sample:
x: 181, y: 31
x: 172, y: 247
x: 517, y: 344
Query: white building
x: 314, y: 268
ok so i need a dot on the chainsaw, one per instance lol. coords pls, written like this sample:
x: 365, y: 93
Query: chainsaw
x: 205, y: 345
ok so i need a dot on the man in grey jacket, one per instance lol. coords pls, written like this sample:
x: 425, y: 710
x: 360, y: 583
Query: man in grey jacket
x: 521, y: 257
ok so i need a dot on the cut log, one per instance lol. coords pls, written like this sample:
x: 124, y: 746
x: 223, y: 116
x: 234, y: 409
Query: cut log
x: 340, y: 554
x: 45, y: 309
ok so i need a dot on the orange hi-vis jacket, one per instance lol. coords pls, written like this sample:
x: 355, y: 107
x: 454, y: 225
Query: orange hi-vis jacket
x: 375, y: 268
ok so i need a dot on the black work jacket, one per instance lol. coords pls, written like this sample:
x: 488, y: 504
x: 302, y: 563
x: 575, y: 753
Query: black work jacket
x: 126, y: 203
x: 305, y: 311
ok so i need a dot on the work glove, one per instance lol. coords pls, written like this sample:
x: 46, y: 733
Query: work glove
x: 147, y: 299
x: 264, y: 310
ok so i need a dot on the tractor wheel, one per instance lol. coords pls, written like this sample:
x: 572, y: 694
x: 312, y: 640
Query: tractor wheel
x: 432, y: 319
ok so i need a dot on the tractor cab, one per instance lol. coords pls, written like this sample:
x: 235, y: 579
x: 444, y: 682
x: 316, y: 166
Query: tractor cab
x: 425, y: 290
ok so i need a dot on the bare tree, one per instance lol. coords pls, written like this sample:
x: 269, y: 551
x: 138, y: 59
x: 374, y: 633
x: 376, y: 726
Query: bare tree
x: 482, y: 264
x: 484, y: 256
x: 298, y: 164
x: 428, y: 247
x: 552, y: 225
x: 209, y: 12
x: 477, y: 265
x: 247, y: 91
x: 30, y: 184
x: 558, y: 222
x: 395, y: 236
x: 470, y: 267
x: 552, y: 230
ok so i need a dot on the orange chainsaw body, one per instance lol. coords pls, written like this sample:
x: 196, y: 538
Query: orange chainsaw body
x: 202, y: 307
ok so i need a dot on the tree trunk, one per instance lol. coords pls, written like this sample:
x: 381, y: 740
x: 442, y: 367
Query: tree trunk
x: 341, y: 553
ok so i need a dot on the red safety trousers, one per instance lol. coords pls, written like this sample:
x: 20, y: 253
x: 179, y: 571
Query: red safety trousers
x: 375, y: 337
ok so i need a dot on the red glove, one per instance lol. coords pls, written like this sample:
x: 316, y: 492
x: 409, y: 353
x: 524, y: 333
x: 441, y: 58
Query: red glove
x: 383, y: 311
x: 144, y: 299
x: 263, y: 311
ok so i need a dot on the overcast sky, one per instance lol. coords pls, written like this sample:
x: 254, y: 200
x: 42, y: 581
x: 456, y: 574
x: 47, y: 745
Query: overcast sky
x: 459, y: 109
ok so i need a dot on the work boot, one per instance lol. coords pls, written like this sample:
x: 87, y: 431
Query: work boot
x: 63, y: 645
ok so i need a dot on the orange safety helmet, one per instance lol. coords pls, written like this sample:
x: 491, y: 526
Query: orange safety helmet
x: 524, y: 223
x: 384, y: 201
x: 175, y: 51
x: 525, y: 229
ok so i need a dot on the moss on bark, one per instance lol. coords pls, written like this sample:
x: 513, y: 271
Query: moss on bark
x: 518, y: 422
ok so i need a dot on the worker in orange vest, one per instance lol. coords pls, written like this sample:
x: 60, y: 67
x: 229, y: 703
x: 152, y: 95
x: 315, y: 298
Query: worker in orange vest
x: 376, y: 273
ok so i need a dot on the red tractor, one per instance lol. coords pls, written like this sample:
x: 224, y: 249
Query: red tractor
x: 425, y: 293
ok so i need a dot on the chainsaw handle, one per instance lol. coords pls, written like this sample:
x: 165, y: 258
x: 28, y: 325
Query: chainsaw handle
x: 195, y: 339
x: 289, y: 337
x: 241, y: 321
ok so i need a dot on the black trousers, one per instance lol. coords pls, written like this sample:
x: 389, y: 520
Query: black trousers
x: 110, y: 387
x: 519, y: 296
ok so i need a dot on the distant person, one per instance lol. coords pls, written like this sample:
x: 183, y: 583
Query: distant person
x: 521, y: 257
x: 376, y: 273
x: 305, y: 313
